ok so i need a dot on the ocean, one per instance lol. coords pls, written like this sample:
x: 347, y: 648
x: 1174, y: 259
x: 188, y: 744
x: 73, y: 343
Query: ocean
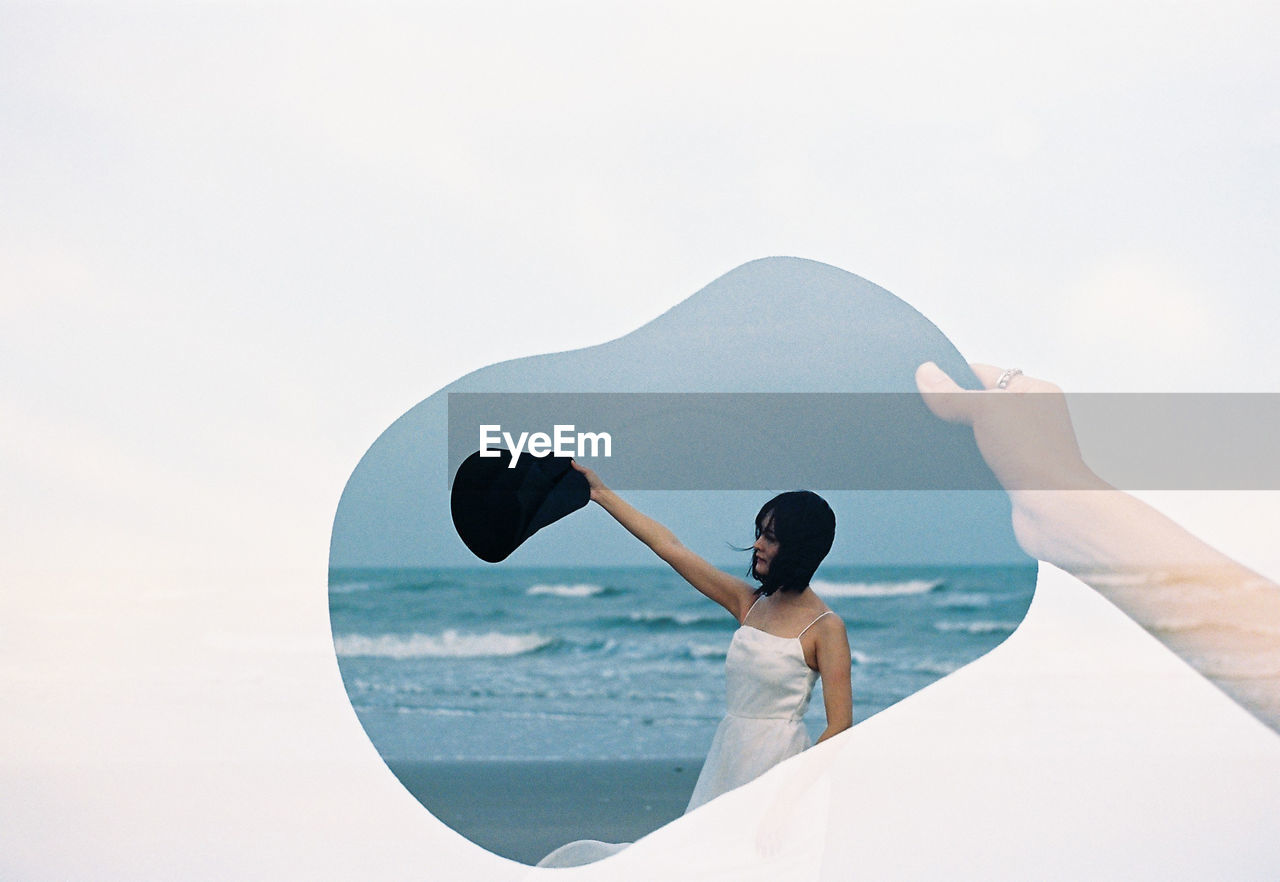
x: 620, y: 663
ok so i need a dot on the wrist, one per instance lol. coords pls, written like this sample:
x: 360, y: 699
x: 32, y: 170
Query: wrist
x: 603, y: 495
x: 1067, y: 528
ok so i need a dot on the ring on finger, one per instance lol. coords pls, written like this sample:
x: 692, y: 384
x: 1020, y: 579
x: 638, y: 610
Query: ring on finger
x: 1007, y: 376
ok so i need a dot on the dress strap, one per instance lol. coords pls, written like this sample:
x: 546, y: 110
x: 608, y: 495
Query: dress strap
x: 811, y: 624
x: 749, y: 609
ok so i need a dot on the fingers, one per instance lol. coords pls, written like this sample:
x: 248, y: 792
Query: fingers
x: 594, y: 484
x: 948, y: 401
x: 943, y: 397
x: 987, y: 374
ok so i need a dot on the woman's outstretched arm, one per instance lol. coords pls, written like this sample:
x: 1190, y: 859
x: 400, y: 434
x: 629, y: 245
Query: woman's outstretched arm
x: 1130, y: 553
x: 733, y: 594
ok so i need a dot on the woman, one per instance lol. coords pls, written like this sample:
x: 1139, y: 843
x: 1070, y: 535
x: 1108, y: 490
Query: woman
x: 787, y: 639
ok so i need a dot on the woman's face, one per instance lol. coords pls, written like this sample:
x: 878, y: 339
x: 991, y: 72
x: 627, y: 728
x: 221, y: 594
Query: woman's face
x: 765, y: 548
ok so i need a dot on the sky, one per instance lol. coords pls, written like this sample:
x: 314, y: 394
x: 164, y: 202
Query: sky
x: 238, y: 242
x: 704, y: 464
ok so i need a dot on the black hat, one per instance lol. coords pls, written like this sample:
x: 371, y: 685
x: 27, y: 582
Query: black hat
x: 496, y: 506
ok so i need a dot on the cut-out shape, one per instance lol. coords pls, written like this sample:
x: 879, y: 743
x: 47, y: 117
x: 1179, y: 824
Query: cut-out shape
x: 571, y: 691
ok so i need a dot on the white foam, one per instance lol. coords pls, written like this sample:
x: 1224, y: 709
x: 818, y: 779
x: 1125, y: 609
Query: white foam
x: 675, y: 618
x: 860, y: 658
x: 961, y: 600
x: 348, y: 587
x: 931, y: 667
x: 581, y: 590
x: 449, y: 644
x: 976, y: 627
x: 874, y: 589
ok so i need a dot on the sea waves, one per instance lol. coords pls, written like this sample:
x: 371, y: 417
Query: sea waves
x: 982, y: 627
x: 706, y: 650
x: 875, y: 589
x: 449, y: 644
x: 617, y: 661
x: 964, y: 601
x: 656, y: 620
x: 584, y: 589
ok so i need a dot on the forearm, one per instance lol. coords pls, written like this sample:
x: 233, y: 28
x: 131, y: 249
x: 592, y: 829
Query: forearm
x: 653, y: 534
x: 833, y: 730
x: 1220, y: 617
x: 1107, y: 529
x: 1217, y: 615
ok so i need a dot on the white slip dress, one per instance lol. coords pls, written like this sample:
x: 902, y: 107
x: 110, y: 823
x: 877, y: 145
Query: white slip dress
x: 769, y: 685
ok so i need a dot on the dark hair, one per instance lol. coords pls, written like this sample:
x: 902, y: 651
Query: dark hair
x: 805, y: 527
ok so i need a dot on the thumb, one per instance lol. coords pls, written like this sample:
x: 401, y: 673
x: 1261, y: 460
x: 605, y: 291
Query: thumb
x: 942, y: 396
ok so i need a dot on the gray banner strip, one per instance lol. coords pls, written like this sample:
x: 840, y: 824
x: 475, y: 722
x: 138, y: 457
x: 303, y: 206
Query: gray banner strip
x: 870, y: 441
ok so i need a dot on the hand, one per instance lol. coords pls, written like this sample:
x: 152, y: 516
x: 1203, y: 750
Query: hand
x: 597, y: 486
x: 1024, y: 433
x: 1028, y: 444
x: 1169, y: 574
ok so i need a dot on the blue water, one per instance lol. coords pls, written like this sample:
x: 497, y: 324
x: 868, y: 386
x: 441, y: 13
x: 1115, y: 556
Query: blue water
x: 611, y: 663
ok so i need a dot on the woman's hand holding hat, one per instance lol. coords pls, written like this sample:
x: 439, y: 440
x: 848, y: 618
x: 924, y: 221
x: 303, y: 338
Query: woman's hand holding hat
x: 593, y: 481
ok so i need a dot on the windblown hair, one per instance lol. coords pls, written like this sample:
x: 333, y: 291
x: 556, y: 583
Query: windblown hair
x: 805, y: 527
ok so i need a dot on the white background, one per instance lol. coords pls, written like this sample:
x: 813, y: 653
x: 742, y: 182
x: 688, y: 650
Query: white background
x: 238, y: 242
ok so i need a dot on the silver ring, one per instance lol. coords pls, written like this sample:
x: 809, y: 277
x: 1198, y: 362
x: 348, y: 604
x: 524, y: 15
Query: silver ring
x: 1009, y: 374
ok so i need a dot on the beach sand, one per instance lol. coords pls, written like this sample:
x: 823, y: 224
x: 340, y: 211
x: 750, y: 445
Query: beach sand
x: 523, y: 809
